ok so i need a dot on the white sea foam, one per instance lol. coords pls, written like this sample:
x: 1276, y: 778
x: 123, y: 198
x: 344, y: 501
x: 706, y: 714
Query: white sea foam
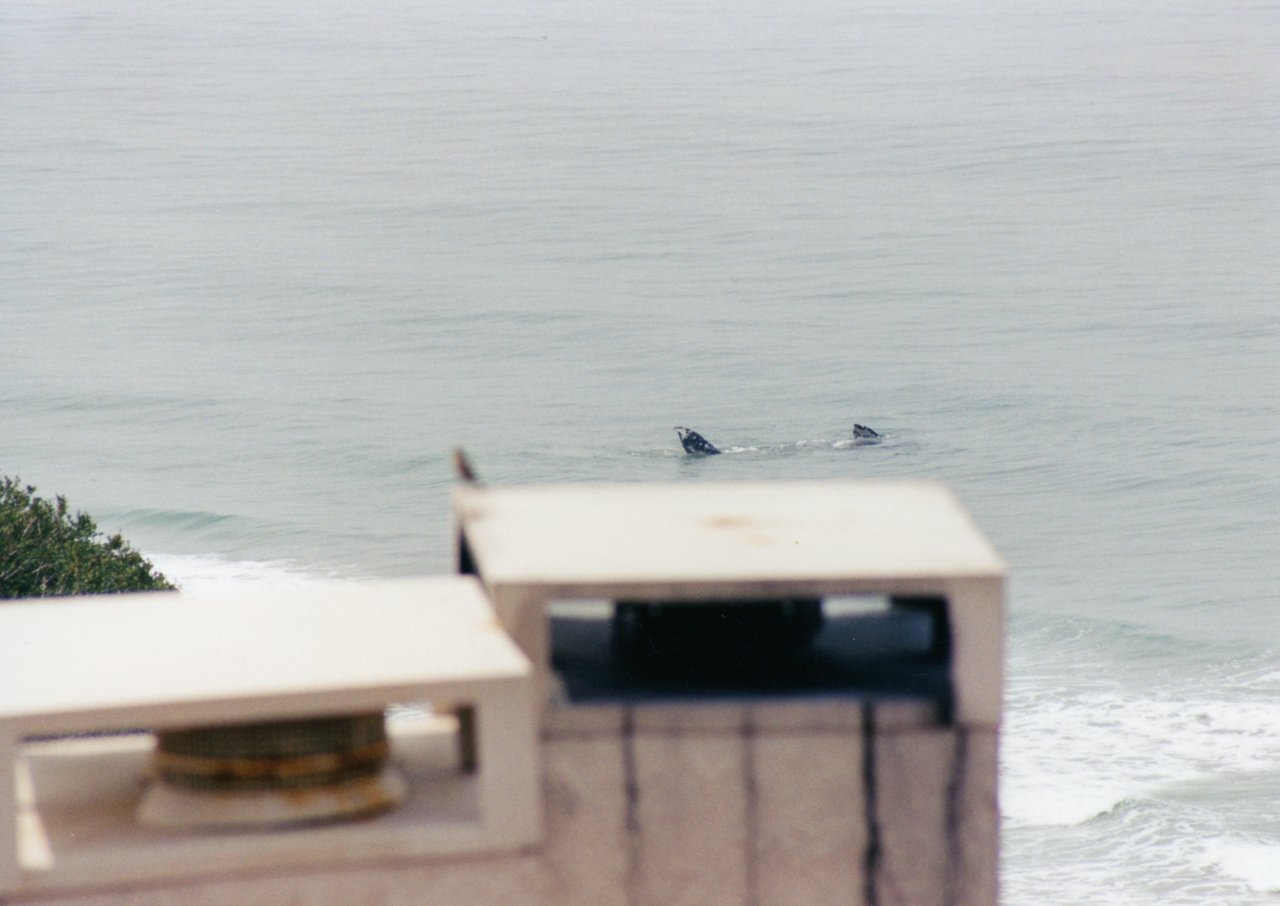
x: 1068, y: 760
x: 201, y: 573
x: 1256, y: 864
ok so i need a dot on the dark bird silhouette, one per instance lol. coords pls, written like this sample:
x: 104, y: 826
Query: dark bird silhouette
x: 462, y: 466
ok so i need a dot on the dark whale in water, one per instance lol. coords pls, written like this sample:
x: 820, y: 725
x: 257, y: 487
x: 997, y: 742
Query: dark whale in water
x: 862, y: 432
x: 695, y: 443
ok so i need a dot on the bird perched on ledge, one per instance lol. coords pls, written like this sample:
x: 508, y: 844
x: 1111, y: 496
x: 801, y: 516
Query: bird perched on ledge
x: 695, y: 443
x: 462, y: 467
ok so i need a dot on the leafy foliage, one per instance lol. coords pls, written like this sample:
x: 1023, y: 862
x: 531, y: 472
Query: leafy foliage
x: 45, y: 550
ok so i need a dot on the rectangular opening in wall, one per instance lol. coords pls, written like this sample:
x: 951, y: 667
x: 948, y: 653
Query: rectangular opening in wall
x: 641, y: 650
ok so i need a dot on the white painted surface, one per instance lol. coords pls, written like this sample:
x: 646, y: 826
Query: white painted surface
x: 649, y: 804
x: 68, y: 663
x: 655, y: 803
x: 275, y: 654
x: 607, y: 536
x: 536, y: 544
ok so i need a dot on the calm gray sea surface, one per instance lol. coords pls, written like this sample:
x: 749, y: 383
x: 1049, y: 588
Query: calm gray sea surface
x: 263, y: 265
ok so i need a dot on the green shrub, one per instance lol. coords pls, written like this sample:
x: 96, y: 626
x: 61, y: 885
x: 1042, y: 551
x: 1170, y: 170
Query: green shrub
x: 45, y: 550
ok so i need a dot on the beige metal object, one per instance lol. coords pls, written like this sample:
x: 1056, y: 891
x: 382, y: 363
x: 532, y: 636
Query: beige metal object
x: 173, y: 807
x: 271, y: 774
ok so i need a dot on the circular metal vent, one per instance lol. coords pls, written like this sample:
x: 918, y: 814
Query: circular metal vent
x: 271, y: 773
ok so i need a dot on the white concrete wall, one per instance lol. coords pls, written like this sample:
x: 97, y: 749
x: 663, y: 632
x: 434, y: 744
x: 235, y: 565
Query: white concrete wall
x: 840, y: 804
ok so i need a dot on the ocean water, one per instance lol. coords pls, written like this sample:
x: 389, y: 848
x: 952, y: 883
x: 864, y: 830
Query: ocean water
x: 263, y: 265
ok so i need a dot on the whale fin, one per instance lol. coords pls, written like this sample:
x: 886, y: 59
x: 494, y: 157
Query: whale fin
x: 695, y: 443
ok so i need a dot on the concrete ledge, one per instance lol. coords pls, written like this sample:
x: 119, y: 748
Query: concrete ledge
x: 818, y: 715
x: 68, y: 811
x: 701, y: 718
x: 610, y: 769
x: 587, y: 720
x: 700, y: 542
x: 646, y: 809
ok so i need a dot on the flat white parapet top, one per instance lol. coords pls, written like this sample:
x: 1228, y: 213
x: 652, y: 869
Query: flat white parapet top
x: 584, y: 533
x: 161, y: 652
